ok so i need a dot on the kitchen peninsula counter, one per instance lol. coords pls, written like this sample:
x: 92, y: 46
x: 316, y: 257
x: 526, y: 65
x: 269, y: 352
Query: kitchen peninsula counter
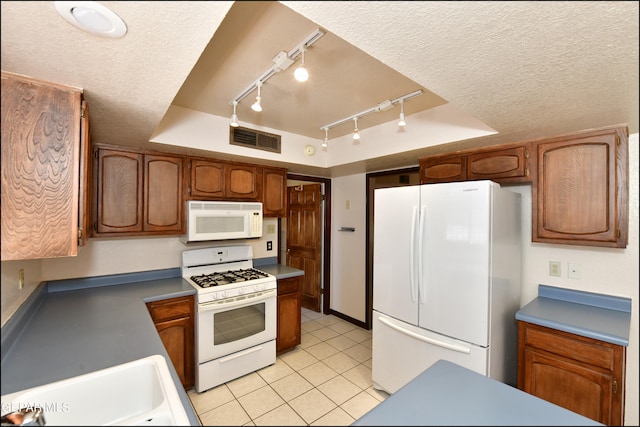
x: 449, y: 394
x: 72, y: 327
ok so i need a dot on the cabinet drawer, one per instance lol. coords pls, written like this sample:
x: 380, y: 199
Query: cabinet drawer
x: 287, y: 286
x: 575, y: 347
x: 171, y: 309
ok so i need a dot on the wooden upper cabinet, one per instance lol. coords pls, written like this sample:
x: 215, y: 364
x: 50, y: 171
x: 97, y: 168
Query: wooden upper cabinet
x: 274, y: 192
x: 206, y: 180
x: 243, y: 182
x: 580, y: 196
x: 502, y: 164
x: 163, y: 204
x: 119, y: 189
x: 445, y: 168
x: 41, y: 178
x: 138, y: 193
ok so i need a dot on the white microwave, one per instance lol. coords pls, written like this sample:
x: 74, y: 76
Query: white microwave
x: 210, y: 220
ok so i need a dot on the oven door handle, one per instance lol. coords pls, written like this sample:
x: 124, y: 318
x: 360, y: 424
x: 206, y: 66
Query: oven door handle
x: 217, y: 305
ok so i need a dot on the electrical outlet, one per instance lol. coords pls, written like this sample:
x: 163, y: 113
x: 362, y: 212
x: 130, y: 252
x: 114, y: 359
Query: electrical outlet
x: 269, y: 245
x: 554, y: 268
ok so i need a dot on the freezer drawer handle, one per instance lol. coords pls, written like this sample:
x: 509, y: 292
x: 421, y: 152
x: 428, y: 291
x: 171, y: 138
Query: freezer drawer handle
x: 454, y: 347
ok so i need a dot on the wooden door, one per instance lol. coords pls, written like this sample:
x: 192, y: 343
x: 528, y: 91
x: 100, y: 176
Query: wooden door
x: 304, y: 245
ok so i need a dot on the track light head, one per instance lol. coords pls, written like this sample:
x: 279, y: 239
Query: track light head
x: 301, y: 74
x: 234, y: 116
x: 325, y: 143
x: 257, y: 106
x: 356, y: 133
x: 402, y: 123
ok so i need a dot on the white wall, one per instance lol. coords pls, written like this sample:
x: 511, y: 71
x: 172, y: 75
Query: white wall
x: 348, y: 249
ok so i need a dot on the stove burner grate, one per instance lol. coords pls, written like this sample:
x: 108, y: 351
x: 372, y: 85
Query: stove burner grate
x: 226, y: 277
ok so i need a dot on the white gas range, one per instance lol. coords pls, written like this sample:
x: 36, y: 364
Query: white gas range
x: 236, y: 320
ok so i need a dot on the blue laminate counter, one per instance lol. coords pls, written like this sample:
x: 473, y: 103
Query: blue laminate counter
x: 602, y: 317
x: 72, y: 327
x: 281, y: 271
x: 448, y: 394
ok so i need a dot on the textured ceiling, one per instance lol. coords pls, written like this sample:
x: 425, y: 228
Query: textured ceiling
x: 526, y: 69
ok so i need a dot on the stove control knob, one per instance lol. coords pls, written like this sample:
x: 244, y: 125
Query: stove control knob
x: 220, y: 295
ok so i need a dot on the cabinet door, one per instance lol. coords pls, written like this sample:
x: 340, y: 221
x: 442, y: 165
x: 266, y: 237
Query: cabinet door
x: 243, y: 182
x: 579, y: 373
x: 207, y: 180
x: 174, y: 322
x: 289, y: 311
x: 577, y: 387
x: 163, y: 205
x: 176, y: 337
x: 509, y: 164
x: 274, y: 194
x: 580, y: 196
x: 84, y: 191
x: 445, y: 168
x: 40, y: 169
x: 119, y: 191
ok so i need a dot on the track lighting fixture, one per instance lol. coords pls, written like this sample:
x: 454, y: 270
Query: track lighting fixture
x: 402, y: 123
x: 383, y: 106
x: 301, y: 74
x: 234, y: 116
x: 257, y: 106
x: 281, y: 62
x: 325, y: 143
x: 356, y: 133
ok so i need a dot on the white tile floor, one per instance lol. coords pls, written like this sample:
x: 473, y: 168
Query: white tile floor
x: 326, y: 380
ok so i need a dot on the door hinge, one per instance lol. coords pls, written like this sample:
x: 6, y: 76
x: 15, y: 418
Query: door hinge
x: 615, y: 386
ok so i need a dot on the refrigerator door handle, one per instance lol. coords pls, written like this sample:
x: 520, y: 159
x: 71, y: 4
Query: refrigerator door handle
x: 421, y: 279
x: 449, y: 346
x: 412, y: 255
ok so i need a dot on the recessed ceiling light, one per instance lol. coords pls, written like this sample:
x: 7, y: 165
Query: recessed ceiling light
x: 92, y: 17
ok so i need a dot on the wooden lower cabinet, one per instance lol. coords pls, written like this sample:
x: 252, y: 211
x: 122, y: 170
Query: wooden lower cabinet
x: 289, y: 313
x: 584, y: 375
x: 174, y: 320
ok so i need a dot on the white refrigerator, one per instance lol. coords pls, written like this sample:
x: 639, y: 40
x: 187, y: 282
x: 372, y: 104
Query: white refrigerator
x: 446, y: 280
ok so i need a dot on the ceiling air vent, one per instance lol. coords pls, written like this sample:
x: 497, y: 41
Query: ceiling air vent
x: 254, y: 139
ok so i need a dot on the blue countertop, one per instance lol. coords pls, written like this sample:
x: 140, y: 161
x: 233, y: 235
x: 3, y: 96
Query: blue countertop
x: 72, y: 327
x: 448, y: 394
x: 269, y: 265
x: 598, y: 316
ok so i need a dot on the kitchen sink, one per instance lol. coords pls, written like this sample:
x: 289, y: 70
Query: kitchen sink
x: 141, y: 392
